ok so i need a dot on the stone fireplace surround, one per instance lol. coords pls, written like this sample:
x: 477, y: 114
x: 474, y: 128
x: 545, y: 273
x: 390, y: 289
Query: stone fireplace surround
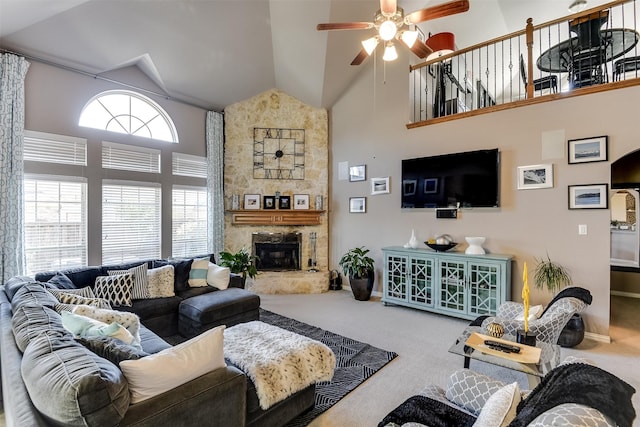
x: 278, y: 110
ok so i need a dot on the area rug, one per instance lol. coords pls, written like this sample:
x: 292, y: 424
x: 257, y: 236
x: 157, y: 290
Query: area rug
x: 355, y: 362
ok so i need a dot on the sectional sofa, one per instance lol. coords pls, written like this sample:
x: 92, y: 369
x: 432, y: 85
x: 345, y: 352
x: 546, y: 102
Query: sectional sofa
x: 50, y: 377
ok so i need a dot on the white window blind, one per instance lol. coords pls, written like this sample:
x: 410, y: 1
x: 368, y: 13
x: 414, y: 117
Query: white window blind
x: 189, y: 165
x: 55, y: 211
x: 189, y: 221
x: 130, y: 221
x: 51, y: 148
x: 129, y: 157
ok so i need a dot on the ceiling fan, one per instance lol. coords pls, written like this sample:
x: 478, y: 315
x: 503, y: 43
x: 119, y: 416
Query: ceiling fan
x: 390, y: 22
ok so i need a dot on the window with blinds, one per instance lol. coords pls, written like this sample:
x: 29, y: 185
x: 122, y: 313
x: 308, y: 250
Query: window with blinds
x: 50, y: 148
x: 131, y: 221
x: 130, y: 157
x: 189, y: 165
x: 55, y: 220
x: 189, y: 221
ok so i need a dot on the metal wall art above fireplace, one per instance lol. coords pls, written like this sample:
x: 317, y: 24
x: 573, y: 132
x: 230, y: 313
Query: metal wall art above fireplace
x: 277, y: 251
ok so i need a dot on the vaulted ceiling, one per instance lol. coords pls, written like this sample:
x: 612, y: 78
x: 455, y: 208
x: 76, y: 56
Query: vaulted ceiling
x: 213, y: 53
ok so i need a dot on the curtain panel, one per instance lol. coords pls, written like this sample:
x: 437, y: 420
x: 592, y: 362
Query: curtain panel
x: 13, y: 70
x: 215, y: 180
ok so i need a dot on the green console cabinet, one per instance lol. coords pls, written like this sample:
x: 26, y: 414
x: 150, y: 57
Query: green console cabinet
x: 452, y: 283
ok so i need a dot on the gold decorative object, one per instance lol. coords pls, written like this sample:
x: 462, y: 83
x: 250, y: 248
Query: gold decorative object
x: 496, y: 330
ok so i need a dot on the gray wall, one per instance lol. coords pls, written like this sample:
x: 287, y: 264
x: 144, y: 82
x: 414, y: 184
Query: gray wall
x: 54, y: 100
x: 368, y: 127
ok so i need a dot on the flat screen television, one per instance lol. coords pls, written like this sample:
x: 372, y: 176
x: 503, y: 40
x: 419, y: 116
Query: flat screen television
x: 467, y: 180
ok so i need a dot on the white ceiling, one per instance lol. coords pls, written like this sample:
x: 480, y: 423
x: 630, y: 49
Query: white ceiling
x: 213, y: 53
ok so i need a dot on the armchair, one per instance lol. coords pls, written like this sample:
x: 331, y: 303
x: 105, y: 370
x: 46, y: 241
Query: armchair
x: 553, y: 319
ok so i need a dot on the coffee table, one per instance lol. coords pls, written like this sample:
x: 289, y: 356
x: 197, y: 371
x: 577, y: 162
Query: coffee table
x: 549, y: 356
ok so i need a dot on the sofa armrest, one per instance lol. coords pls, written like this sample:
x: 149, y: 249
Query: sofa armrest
x: 217, y: 395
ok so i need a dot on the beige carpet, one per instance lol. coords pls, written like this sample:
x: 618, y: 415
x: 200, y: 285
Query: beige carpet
x: 421, y: 339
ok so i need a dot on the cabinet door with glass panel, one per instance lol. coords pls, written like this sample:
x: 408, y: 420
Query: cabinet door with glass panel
x: 422, y: 271
x: 396, y: 278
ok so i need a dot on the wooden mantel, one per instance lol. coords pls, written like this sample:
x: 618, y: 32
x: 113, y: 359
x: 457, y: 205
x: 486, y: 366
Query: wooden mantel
x: 276, y: 217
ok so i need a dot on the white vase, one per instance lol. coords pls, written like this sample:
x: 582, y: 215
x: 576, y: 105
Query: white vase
x: 475, y: 245
x: 413, y: 242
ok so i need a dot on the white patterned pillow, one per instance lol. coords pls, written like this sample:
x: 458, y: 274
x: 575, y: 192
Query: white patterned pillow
x: 198, y: 273
x: 67, y: 299
x: 140, y: 281
x: 500, y: 408
x: 116, y: 289
x: 471, y: 390
x: 218, y: 276
x: 130, y: 321
x: 161, y: 282
x: 85, y: 292
x: 574, y: 415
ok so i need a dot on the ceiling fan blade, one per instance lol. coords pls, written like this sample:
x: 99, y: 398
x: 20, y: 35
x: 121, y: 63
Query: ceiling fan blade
x: 361, y: 56
x: 421, y: 49
x: 345, y: 26
x: 388, y: 7
x: 439, y: 11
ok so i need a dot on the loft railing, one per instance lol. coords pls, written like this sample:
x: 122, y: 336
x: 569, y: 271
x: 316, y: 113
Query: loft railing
x: 586, y: 52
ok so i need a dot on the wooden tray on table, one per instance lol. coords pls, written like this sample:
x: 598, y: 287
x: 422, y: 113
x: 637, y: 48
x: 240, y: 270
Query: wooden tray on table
x: 527, y: 354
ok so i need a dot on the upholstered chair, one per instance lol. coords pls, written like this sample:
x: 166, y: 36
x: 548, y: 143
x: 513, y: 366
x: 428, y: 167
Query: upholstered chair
x: 549, y: 325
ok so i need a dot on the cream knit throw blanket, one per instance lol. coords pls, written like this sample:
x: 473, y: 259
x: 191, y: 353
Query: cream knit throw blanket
x: 279, y: 362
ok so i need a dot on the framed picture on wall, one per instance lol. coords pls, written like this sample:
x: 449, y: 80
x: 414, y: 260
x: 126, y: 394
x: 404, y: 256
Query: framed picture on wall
x: 269, y: 202
x: 535, y: 176
x: 357, y: 204
x: 284, y: 202
x: 380, y: 185
x: 300, y: 201
x: 358, y: 173
x: 593, y: 196
x: 252, y: 201
x: 586, y: 150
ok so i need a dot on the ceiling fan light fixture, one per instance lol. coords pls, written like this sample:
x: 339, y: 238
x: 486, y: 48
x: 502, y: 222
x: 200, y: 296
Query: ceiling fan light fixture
x: 441, y: 44
x: 369, y: 45
x: 409, y: 37
x: 390, y: 53
x: 387, y: 30
x: 577, y: 6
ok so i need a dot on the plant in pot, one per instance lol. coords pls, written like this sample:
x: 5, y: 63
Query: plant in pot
x: 358, y: 267
x: 553, y: 276
x: 241, y: 262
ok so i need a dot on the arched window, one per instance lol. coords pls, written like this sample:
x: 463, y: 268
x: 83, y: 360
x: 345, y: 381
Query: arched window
x: 128, y: 112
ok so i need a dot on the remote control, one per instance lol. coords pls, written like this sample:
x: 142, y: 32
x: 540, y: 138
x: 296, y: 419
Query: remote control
x: 507, y: 348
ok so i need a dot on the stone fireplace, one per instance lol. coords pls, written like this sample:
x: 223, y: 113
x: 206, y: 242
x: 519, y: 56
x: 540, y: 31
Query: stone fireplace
x: 277, y: 251
x: 285, y: 271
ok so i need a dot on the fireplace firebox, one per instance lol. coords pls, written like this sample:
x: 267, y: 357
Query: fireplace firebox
x: 277, y: 251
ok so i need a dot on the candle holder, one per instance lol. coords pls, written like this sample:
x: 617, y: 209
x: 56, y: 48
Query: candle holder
x: 526, y: 337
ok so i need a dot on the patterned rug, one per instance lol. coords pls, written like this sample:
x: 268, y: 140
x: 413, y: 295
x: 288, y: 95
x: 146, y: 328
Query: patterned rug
x: 355, y: 362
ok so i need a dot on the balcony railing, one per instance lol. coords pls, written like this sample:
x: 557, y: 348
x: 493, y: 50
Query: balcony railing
x: 586, y: 52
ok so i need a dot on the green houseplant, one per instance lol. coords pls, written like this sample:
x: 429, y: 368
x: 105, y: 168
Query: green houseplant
x: 358, y: 267
x: 241, y: 262
x: 551, y: 275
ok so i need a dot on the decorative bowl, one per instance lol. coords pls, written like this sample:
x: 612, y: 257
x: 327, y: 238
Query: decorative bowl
x: 440, y: 248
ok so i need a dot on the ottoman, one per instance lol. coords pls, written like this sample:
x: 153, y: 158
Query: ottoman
x: 227, y: 307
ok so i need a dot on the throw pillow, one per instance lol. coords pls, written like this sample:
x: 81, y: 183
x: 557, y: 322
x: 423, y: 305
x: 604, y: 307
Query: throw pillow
x: 198, y: 273
x: 66, y: 299
x: 534, y: 313
x: 83, y: 326
x: 471, y: 390
x: 218, y: 276
x: 111, y: 349
x: 140, y: 280
x: 61, y: 281
x: 85, y: 292
x: 115, y: 289
x: 181, y: 272
x: 160, y: 372
x: 130, y: 321
x: 160, y: 282
x: 500, y: 408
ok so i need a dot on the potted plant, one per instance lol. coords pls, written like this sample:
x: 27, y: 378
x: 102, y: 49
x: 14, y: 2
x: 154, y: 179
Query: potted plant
x: 553, y: 276
x: 358, y: 267
x: 241, y: 262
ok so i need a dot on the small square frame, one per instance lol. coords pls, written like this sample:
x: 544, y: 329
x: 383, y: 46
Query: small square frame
x: 358, y: 173
x: 300, y: 201
x: 535, y: 176
x: 587, y: 150
x: 592, y: 196
x: 357, y: 204
x: 284, y: 202
x: 251, y: 201
x: 380, y: 185
x: 269, y: 202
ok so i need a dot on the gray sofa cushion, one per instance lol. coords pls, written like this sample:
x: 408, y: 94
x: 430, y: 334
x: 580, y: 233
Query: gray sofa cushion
x: 12, y: 285
x: 31, y: 320
x: 33, y: 293
x: 88, y: 390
